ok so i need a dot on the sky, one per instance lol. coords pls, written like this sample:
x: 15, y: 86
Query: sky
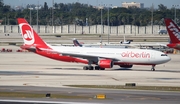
x: 147, y: 3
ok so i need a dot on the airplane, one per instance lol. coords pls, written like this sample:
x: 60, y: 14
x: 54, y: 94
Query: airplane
x: 174, y: 33
x: 154, y: 46
x: 125, y: 41
x: 77, y: 44
x: 101, y: 57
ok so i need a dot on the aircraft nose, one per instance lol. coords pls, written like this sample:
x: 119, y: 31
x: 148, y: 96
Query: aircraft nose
x: 168, y: 58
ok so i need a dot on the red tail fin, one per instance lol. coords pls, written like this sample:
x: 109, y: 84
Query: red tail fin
x: 173, y: 30
x: 29, y: 36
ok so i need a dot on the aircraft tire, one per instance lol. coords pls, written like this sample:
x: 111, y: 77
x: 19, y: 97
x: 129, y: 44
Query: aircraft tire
x: 91, y: 68
x: 85, y: 68
x: 102, y: 68
x: 97, y: 67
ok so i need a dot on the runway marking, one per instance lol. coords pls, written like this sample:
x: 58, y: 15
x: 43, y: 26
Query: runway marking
x: 45, y: 102
x: 115, y: 79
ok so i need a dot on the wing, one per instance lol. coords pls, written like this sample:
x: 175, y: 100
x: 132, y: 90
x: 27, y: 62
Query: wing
x: 80, y: 55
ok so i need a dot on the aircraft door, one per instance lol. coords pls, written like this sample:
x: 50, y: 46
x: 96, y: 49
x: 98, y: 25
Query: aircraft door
x: 152, y: 56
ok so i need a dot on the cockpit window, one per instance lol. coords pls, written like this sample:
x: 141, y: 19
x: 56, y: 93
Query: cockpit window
x: 163, y: 54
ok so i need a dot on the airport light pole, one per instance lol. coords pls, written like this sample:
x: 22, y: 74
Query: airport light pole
x: 37, y: 17
x: 30, y: 14
x: 53, y: 15
x: 8, y: 19
x: 152, y: 17
x: 108, y: 23
x: 101, y: 7
x: 101, y: 21
x: 5, y: 20
x: 135, y: 23
x: 101, y: 26
x: 5, y: 23
x: 175, y: 12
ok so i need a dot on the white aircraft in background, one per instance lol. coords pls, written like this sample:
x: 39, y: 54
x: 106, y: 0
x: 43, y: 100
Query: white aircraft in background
x: 124, y: 44
x: 125, y: 41
x: 153, y: 46
x: 101, y: 57
x: 77, y: 44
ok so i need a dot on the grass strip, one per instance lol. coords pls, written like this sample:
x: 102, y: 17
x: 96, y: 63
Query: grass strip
x: 35, y: 95
x: 157, y: 88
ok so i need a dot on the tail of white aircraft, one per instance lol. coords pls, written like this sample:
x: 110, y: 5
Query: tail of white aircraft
x: 76, y: 43
x: 125, y: 42
x: 29, y: 36
x: 173, y: 30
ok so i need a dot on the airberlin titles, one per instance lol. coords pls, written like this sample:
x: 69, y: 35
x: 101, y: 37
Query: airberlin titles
x: 136, y: 54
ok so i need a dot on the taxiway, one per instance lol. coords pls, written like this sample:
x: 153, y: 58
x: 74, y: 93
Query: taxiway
x: 28, y: 72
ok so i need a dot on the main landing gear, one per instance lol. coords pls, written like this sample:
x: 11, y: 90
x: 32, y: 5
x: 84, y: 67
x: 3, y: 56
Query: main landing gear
x: 88, y: 68
x: 153, y: 68
x: 92, y: 68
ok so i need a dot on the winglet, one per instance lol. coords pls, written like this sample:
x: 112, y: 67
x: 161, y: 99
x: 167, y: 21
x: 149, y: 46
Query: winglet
x: 29, y: 36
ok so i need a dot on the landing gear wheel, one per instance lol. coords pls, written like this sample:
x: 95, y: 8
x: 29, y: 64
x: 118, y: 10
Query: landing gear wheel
x: 102, y: 68
x: 153, y: 68
x: 97, y: 67
x: 85, y: 68
x: 91, y: 68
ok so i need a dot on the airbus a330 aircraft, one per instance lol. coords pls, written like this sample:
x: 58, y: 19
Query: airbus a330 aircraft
x: 101, y: 57
x: 174, y: 34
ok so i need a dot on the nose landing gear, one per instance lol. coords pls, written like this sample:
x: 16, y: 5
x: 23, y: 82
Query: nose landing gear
x: 153, y: 67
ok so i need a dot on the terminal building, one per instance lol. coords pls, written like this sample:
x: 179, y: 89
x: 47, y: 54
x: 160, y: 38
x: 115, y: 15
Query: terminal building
x: 132, y: 4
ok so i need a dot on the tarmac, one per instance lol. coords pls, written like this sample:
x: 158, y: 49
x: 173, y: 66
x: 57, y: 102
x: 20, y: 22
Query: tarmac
x: 29, y: 69
x: 29, y: 72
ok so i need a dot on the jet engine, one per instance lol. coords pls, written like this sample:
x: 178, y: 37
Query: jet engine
x: 105, y: 63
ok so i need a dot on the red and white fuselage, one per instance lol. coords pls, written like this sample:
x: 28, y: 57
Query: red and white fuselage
x: 133, y: 56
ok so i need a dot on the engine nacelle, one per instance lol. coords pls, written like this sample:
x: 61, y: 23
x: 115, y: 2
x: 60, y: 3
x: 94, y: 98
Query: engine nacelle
x: 126, y: 65
x: 105, y: 63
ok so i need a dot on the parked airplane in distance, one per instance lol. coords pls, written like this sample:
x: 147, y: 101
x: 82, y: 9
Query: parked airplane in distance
x: 174, y: 33
x: 101, y: 57
x: 126, y: 41
x: 77, y: 44
x: 154, y: 46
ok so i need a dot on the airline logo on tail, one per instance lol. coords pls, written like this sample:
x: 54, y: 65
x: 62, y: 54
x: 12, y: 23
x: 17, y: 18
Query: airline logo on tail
x: 30, y: 37
x: 174, y: 30
x: 27, y: 33
x: 76, y: 43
